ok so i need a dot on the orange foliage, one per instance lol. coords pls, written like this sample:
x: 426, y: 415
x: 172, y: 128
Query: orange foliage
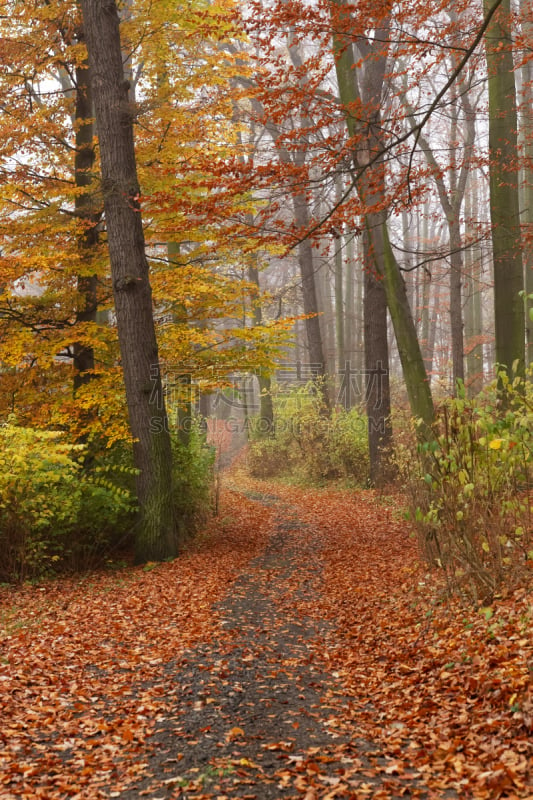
x: 185, y: 136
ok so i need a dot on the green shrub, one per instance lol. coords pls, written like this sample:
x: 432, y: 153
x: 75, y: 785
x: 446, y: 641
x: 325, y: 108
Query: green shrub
x: 471, y: 490
x: 193, y: 478
x: 53, y: 513
x: 310, y: 445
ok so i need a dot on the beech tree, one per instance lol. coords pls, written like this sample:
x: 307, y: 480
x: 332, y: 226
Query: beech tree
x: 159, y: 533
x: 368, y: 148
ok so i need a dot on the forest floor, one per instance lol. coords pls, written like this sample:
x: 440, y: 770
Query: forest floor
x: 298, y: 649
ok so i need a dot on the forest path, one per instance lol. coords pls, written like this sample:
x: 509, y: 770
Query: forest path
x: 297, y: 649
x: 260, y: 714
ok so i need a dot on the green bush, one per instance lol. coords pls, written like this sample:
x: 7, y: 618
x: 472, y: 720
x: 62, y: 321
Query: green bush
x: 193, y: 478
x: 310, y: 445
x: 471, y: 491
x: 53, y: 513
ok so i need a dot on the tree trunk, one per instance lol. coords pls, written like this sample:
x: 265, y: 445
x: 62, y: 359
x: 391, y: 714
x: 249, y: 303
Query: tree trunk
x: 157, y: 533
x: 306, y: 263
x: 370, y: 188
x: 324, y: 291
x: 266, y: 406
x: 182, y: 390
x: 340, y: 307
x: 88, y: 216
x: 377, y: 389
x: 340, y: 315
x: 456, y: 300
x: 473, y: 306
x: 353, y: 370
x: 414, y: 372
x: 425, y: 325
x: 451, y: 200
x: 526, y: 127
x: 509, y: 315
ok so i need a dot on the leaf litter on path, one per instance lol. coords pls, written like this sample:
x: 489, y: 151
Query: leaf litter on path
x: 299, y: 650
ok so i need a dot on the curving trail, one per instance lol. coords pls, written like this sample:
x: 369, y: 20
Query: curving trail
x: 257, y: 716
x: 299, y: 650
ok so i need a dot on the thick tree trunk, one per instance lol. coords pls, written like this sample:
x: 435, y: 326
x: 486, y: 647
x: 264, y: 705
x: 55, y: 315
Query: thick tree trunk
x: 509, y: 315
x: 157, y: 533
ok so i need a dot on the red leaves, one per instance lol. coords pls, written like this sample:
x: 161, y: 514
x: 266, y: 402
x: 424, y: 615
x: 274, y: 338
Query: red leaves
x: 440, y: 694
x: 81, y: 667
x: 437, y: 686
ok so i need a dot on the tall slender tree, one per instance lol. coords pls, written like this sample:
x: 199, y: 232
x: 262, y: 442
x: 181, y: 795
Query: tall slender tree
x: 360, y: 93
x: 509, y: 315
x: 526, y: 128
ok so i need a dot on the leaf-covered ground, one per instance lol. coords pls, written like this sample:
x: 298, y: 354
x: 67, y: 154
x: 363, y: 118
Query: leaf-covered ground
x: 298, y: 650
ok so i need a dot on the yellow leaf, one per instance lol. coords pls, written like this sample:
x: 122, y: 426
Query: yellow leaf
x: 495, y: 444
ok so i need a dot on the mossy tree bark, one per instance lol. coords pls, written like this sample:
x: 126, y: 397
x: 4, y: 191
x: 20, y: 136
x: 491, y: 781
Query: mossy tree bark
x: 157, y: 532
x: 526, y: 127
x: 509, y: 314
x: 370, y: 185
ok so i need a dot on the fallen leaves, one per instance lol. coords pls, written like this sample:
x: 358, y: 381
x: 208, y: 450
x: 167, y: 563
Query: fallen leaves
x: 442, y: 692
x: 82, y: 680
x: 234, y: 733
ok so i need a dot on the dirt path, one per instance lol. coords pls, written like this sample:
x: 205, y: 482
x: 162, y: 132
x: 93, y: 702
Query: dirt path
x: 298, y: 649
x: 257, y: 712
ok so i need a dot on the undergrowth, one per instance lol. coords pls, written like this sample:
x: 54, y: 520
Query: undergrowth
x: 54, y: 513
x: 310, y: 446
x: 73, y: 507
x: 471, y: 490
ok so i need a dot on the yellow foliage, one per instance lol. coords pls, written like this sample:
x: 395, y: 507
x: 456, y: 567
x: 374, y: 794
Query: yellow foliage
x: 199, y: 246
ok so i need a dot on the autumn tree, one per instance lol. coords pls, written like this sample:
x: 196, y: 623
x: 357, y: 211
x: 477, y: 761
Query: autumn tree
x: 157, y: 537
x: 53, y: 265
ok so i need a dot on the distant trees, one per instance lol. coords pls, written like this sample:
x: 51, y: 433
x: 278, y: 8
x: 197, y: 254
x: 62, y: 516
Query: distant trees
x: 388, y: 77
